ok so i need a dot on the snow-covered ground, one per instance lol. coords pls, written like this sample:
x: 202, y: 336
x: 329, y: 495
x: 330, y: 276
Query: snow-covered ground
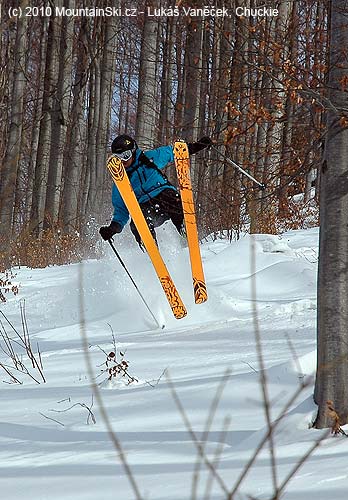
x: 55, y: 455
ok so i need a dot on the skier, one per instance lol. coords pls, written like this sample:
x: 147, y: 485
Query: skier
x: 159, y: 200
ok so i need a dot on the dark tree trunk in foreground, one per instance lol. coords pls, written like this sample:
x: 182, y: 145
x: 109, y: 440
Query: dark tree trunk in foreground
x: 332, y: 370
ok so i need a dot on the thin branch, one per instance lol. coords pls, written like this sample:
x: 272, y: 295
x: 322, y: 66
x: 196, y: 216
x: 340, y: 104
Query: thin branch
x: 211, y: 414
x: 113, y: 437
x: 301, y: 462
x: 217, y: 455
x: 15, y: 379
x: 83, y: 405
x: 252, y: 459
x: 194, y: 438
x: 250, y: 366
x: 157, y: 381
x: 263, y: 379
x: 53, y: 419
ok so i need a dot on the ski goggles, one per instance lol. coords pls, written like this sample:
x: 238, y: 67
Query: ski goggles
x: 125, y: 155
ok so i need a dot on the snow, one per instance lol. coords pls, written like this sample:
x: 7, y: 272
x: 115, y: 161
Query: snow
x: 49, y: 450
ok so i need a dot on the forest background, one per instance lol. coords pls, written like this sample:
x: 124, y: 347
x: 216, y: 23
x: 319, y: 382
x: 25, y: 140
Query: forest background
x: 69, y: 84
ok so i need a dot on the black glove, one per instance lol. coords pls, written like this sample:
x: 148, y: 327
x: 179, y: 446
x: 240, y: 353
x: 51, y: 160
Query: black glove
x: 107, y: 232
x: 204, y: 142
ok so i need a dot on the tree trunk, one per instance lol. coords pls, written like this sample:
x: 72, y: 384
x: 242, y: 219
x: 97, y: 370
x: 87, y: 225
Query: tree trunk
x: 59, y: 119
x: 199, y: 178
x: 100, y: 97
x: 239, y: 98
x: 75, y: 155
x: 93, y: 118
x: 44, y: 143
x: 107, y: 73
x: 164, y: 129
x: 12, y: 155
x: 146, y: 112
x: 35, y: 125
x: 180, y: 76
x: 193, y: 71
x: 332, y: 368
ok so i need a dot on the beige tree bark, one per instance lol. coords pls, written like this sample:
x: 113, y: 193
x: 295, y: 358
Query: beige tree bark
x: 192, y: 88
x: 75, y: 151
x: 12, y: 154
x: 59, y: 118
x: 230, y: 185
x: 179, y: 77
x: 92, y: 128
x: 106, y: 90
x: 6, y: 72
x: 35, y: 125
x: 44, y: 142
x: 164, y: 129
x: 146, y: 112
x: 256, y: 206
x: 193, y: 72
x: 222, y: 40
x: 281, y: 52
x: 100, y: 97
x: 200, y: 173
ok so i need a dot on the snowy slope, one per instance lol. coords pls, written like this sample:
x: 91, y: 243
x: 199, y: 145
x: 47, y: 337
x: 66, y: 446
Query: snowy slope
x: 71, y: 459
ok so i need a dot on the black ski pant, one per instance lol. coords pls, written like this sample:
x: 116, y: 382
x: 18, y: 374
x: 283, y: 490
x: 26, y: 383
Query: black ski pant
x: 166, y: 205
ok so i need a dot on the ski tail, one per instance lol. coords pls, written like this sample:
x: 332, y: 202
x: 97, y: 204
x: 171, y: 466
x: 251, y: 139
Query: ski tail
x: 182, y: 163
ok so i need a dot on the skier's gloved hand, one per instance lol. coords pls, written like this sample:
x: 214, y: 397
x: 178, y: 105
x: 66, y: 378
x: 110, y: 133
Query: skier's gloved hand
x: 107, y: 232
x: 204, y: 142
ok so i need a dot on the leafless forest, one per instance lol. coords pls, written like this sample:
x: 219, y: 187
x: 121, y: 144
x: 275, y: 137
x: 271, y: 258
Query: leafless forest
x: 256, y: 85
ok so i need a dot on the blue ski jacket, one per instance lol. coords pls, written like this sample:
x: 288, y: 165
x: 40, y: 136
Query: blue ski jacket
x: 147, y: 182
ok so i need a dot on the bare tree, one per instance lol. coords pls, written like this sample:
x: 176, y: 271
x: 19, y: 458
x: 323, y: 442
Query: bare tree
x: 74, y: 156
x: 37, y: 79
x: 100, y: 96
x: 13, y: 146
x: 146, y: 114
x: 44, y: 141
x: 193, y: 72
x: 59, y: 119
x: 164, y: 129
x: 332, y: 368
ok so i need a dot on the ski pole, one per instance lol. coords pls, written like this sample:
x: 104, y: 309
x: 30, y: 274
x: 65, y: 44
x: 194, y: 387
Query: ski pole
x: 132, y: 280
x: 260, y: 184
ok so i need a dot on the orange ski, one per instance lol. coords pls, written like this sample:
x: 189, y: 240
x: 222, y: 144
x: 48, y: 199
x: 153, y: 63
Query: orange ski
x: 124, y: 186
x: 182, y: 163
